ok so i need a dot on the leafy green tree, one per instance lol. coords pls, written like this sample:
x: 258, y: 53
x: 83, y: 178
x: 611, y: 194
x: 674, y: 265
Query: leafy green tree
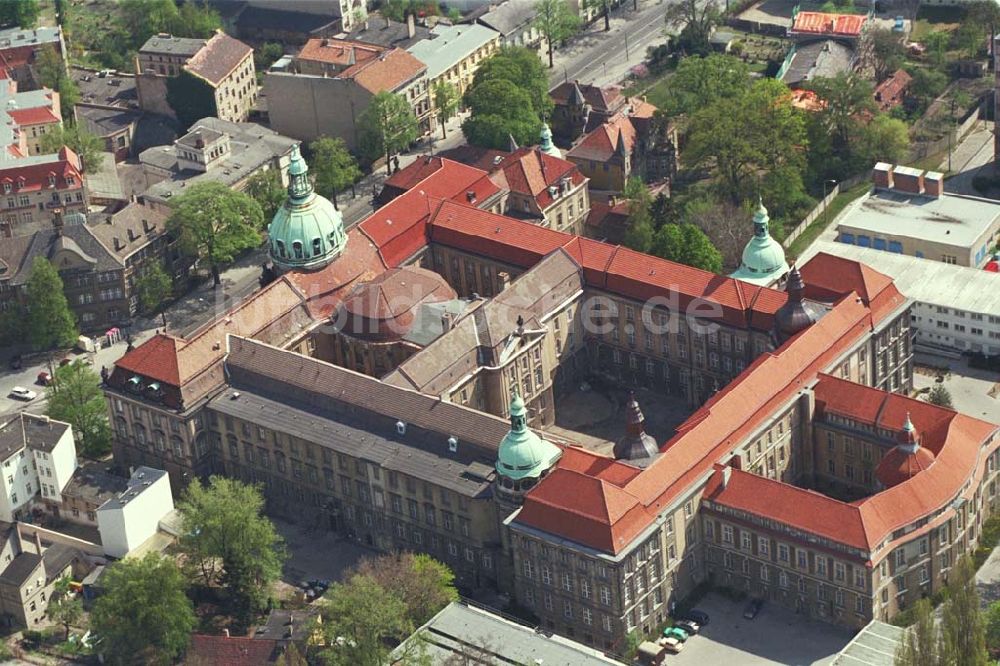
x: 992, y: 621
x: 424, y: 584
x: 920, y: 645
x: 144, y: 615
x: 884, y: 139
x: 937, y: 42
x: 446, y: 100
x: 52, y: 74
x: 196, y: 20
x: 388, y: 126
x: 696, y: 19
x: 266, y: 188
x: 746, y: 135
x: 75, y: 397
x: 500, y: 110
x: 927, y: 83
x: 639, y: 235
x: 144, y: 18
x: 556, y: 21
x: 963, y: 632
x: 686, y: 244
x: 65, y: 608
x: 364, y: 618
x: 939, y: 396
x: 888, y: 51
x: 700, y: 82
x: 333, y: 167
x: 847, y: 98
x: 49, y: 322
x: 154, y: 287
x: 520, y: 66
x: 19, y: 14
x: 86, y: 145
x: 267, y: 55
x: 229, y: 540
x: 191, y: 98
x: 214, y: 223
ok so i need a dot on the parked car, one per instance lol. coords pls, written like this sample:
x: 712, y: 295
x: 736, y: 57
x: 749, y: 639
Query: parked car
x: 671, y: 644
x: 699, y: 616
x: 690, y: 626
x: 651, y: 654
x: 675, y: 632
x: 44, y: 378
x: 753, y: 608
x: 21, y: 393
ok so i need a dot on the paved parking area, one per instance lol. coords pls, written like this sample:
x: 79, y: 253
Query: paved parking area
x: 316, y: 553
x: 775, y: 636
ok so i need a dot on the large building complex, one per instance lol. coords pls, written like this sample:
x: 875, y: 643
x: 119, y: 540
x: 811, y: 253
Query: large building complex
x: 802, y: 475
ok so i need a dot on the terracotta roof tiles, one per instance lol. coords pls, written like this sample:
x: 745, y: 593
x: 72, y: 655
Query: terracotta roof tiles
x: 217, y: 58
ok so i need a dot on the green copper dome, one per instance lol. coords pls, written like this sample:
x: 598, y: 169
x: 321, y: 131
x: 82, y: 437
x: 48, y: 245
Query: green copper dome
x: 546, y: 145
x: 307, y: 232
x: 523, y: 453
x: 763, y: 257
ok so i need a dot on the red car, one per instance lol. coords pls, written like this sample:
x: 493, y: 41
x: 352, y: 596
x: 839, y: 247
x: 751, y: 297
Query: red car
x: 43, y: 378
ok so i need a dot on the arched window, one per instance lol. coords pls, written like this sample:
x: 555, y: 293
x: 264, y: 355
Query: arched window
x: 140, y: 434
x: 297, y: 249
x: 281, y: 248
x: 122, y: 426
x: 317, y: 247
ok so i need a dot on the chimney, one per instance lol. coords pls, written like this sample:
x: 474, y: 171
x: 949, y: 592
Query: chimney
x: 411, y: 28
x: 388, y: 23
x: 447, y: 321
x: 727, y: 471
x: 933, y: 184
x: 365, y: 24
x: 470, y: 196
x: 882, y: 176
x: 118, y: 244
x: 612, y: 201
x: 908, y: 180
x: 38, y: 543
x: 225, y: 632
x: 504, y: 278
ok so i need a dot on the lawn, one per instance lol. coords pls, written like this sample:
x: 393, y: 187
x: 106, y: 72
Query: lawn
x: 930, y: 19
x: 655, y: 88
x: 813, y: 231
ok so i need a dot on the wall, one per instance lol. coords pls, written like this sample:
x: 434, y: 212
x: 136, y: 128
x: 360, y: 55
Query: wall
x: 152, y: 91
x: 306, y: 107
x: 123, y: 528
x: 821, y: 207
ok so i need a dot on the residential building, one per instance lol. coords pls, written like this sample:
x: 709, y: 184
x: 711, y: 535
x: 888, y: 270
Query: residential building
x: 38, y: 188
x: 892, y: 92
x: 546, y: 190
x: 305, y: 106
x: 221, y: 650
x: 214, y: 150
x: 808, y: 60
x: 38, y: 459
x: 581, y: 108
x: 908, y: 212
x: 809, y: 26
x: 955, y: 308
x: 383, y: 31
x: 129, y: 519
x: 454, y: 52
x: 349, y: 12
x: 223, y: 63
x: 20, y: 48
x: 90, y: 486
x: 258, y: 24
x: 514, y: 21
x: 25, y: 117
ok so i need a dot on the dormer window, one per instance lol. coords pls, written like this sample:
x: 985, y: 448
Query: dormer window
x: 281, y: 248
x: 6, y: 188
x: 297, y: 249
x: 70, y: 180
x: 154, y: 388
x: 135, y: 383
x: 52, y: 181
x: 317, y: 245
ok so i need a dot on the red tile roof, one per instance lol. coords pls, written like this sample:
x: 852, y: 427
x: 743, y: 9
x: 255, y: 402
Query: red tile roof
x: 828, y: 278
x: 890, y: 92
x: 531, y: 172
x: 35, y: 116
x: 231, y: 651
x: 821, y: 23
x: 339, y: 51
x: 388, y: 73
x: 602, y: 143
x: 35, y: 176
x: 898, y: 465
x: 218, y: 58
x: 156, y: 358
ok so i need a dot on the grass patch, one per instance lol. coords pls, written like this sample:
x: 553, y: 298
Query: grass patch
x: 656, y: 89
x: 930, y: 19
x: 838, y: 204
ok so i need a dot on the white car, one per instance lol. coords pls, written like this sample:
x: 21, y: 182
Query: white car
x: 21, y: 393
x: 671, y: 644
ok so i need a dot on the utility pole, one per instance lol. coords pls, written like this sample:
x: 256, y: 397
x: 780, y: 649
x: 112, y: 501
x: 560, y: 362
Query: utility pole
x: 825, y: 202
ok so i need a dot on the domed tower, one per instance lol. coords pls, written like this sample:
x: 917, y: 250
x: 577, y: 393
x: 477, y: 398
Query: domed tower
x: 545, y: 144
x: 307, y: 232
x: 763, y: 259
x: 636, y: 447
x: 523, y: 458
x: 797, y: 313
x: 906, y: 459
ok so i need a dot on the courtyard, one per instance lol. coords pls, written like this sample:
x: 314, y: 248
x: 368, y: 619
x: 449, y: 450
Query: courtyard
x: 776, y: 636
x: 974, y: 392
x: 316, y: 553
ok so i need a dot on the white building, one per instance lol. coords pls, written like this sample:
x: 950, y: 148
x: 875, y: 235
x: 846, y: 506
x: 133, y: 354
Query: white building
x: 38, y: 457
x: 128, y: 520
x: 955, y: 308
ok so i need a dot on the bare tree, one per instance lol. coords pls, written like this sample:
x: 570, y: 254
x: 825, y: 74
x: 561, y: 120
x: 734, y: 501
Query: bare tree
x: 727, y: 225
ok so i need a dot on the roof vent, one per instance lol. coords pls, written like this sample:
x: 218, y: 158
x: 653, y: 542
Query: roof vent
x: 234, y: 395
x: 452, y: 444
x: 400, y: 428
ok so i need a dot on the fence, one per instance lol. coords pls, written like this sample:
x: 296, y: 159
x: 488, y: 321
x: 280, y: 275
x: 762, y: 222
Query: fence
x: 921, y: 150
x: 821, y: 207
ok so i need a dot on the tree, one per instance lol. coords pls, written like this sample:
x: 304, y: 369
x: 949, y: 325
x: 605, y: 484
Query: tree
x: 992, y: 621
x: 88, y: 147
x: 887, y: 51
x: 963, y: 634
x: 333, y: 167
x: 214, y: 223
x: 364, y: 618
x: 229, y: 540
x: 75, y: 397
x: 696, y: 20
x: 555, y: 21
x: 700, y: 82
x: 196, y: 20
x: 746, y: 135
x: 154, y: 287
x: 937, y: 42
x: 847, y: 98
x: 520, y: 66
x: 446, y: 100
x: 686, y: 244
x: 144, y: 614
x: 267, y: 55
x: 500, y: 110
x: 727, y: 226
x: 49, y: 323
x: 424, y: 584
x: 52, y: 74
x: 927, y: 83
x: 639, y: 235
x: 985, y: 13
x: 920, y: 645
x: 388, y: 126
x: 884, y: 139
x: 191, y: 98
x: 144, y: 18
x: 939, y: 396
x: 19, y: 14
x: 266, y: 188
x: 65, y: 608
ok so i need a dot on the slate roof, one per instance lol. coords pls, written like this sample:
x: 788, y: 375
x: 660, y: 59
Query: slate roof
x: 19, y: 253
x: 606, y: 100
x: 179, y: 46
x: 28, y: 430
x: 452, y: 44
x: 117, y: 89
x: 393, y: 34
x: 103, y: 121
x: 131, y: 228
x: 94, y: 485
x: 509, y: 16
x: 220, y: 56
x: 19, y: 571
x: 253, y: 18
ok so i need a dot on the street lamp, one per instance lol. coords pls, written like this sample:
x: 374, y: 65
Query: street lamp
x: 825, y: 202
